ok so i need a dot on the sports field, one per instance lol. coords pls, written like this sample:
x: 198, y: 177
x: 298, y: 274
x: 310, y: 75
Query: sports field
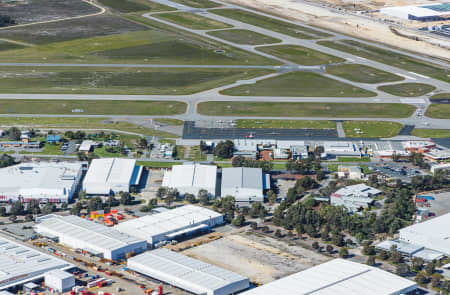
x: 104, y: 80
x: 297, y: 84
x: 240, y: 36
x: 305, y: 109
x: 285, y: 124
x: 407, y: 89
x: 192, y: 21
x: 362, y: 73
x: 379, y: 129
x: 300, y: 55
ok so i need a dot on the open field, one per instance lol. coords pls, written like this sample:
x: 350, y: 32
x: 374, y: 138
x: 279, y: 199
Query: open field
x: 240, y: 36
x: 440, y: 97
x: 371, y: 128
x: 300, y: 55
x: 127, y: 6
x: 158, y: 45
x: 389, y: 57
x: 362, y: 74
x: 198, y: 3
x: 167, y: 121
x: 438, y: 111
x: 298, y: 84
x: 31, y: 11
x: 286, y: 124
x: 119, y: 80
x: 93, y: 26
x: 305, y: 109
x: 74, y: 123
x: 407, y: 89
x: 91, y: 107
x: 192, y: 21
x: 431, y: 133
x: 9, y: 46
x: 269, y: 23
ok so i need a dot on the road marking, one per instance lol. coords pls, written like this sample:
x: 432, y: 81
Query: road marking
x: 404, y: 76
x: 412, y: 100
x: 419, y: 75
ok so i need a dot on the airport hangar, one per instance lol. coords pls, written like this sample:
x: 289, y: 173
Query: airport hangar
x: 97, y: 239
x: 338, y: 276
x: 423, y: 13
x: 187, y: 273
x: 20, y: 264
x: 171, y: 224
x: 54, y: 182
x: 111, y: 175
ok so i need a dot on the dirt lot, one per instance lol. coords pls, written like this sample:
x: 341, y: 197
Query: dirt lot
x: 262, y: 259
x: 99, y: 25
x: 30, y: 11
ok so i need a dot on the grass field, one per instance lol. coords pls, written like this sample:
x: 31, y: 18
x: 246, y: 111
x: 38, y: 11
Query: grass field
x: 271, y: 24
x: 173, y: 122
x: 371, y: 128
x: 440, y: 96
x: 240, y: 36
x: 127, y: 6
x: 391, y: 58
x: 300, y: 55
x: 438, y: 111
x: 362, y: 73
x: 192, y: 21
x: 305, y: 109
x: 82, y: 123
x: 431, y: 133
x: 353, y: 159
x: 47, y: 149
x: 286, y: 124
x: 159, y: 45
x: 334, y: 168
x: 407, y: 89
x: 306, y: 84
x: 119, y: 80
x: 9, y: 46
x: 198, y: 3
x: 91, y: 107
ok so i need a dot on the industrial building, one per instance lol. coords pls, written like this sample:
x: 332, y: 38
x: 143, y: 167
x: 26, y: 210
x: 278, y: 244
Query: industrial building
x: 45, y: 181
x: 20, y: 264
x: 423, y: 13
x: 350, y: 172
x: 338, y: 276
x: 111, y: 175
x: 59, y: 280
x: 409, y: 250
x: 244, y: 184
x: 171, y: 224
x: 187, y: 273
x: 97, y: 239
x: 432, y: 234
x: 191, y: 178
x: 341, y: 148
x: 354, y: 197
x: 444, y: 166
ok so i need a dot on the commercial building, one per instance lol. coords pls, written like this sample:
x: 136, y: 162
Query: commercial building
x: 432, y: 234
x: 20, y: 264
x: 437, y: 155
x: 53, y: 138
x: 350, y: 172
x: 97, y: 239
x: 45, y: 181
x: 445, y: 166
x: 423, y: 13
x: 87, y: 146
x: 338, y: 276
x: 191, y: 178
x: 171, y: 224
x: 354, y: 197
x: 59, y: 280
x: 111, y: 175
x: 187, y: 273
x: 341, y: 148
x: 244, y: 184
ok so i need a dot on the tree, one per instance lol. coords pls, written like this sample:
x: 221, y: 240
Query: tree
x: 338, y: 239
x: 203, y: 146
x: 161, y: 192
x: 239, y: 220
x: 2, y: 211
x: 329, y: 249
x: 17, y: 208
x: 111, y: 202
x: 421, y: 279
x: 371, y: 261
x: 224, y: 149
x: 28, y: 217
x: 125, y: 198
x: 324, y: 235
x: 190, y: 198
x: 14, y: 133
x: 395, y: 157
x: 417, y: 264
x: 237, y: 161
x: 171, y: 196
x: 278, y: 233
x: 383, y: 255
x: 203, y: 197
x: 64, y: 206
x: 396, y: 257
x: 435, y: 280
x: 33, y: 207
x: 343, y: 252
x: 315, y: 245
x: 95, y: 204
x: 143, y: 143
x: 320, y: 175
x: 12, y: 218
x: 48, y: 208
x: 402, y: 269
x: 271, y: 196
x: 76, y: 208
x: 429, y: 268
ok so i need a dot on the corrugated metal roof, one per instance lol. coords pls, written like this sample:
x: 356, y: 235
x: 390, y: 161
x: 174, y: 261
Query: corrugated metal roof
x: 242, y: 177
x: 337, y: 277
x: 185, y: 272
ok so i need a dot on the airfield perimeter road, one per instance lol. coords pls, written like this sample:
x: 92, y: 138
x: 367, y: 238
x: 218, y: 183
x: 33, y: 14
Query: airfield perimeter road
x: 213, y: 95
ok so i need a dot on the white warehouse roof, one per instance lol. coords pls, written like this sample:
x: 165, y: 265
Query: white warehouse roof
x: 157, y: 227
x: 433, y: 234
x: 244, y: 184
x: 77, y: 232
x: 359, y: 190
x: 416, y: 10
x: 338, y: 277
x: 187, y: 273
x: 43, y: 180
x: 110, y: 175
x: 191, y: 178
x: 20, y: 264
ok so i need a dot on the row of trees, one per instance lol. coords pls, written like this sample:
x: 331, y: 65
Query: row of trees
x: 239, y: 161
x: 6, y: 160
x: 32, y: 208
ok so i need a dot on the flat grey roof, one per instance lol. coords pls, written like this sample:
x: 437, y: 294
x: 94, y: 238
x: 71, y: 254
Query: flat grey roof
x: 242, y: 177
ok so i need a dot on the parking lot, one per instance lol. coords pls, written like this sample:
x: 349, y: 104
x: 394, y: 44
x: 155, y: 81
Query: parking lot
x: 396, y: 170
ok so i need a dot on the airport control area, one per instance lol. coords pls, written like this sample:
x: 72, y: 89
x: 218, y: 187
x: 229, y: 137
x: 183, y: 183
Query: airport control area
x: 224, y: 147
